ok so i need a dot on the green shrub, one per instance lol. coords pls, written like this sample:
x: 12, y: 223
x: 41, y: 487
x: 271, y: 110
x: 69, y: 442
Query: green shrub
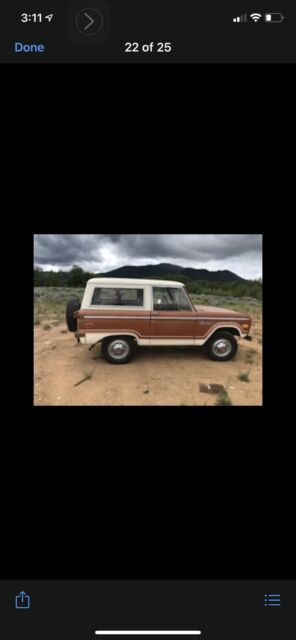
x: 223, y: 400
x: 248, y: 289
x: 244, y: 377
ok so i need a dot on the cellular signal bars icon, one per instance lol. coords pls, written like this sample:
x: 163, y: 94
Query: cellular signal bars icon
x: 272, y: 600
x: 242, y: 18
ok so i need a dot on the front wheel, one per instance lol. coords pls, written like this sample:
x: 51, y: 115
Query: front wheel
x: 118, y: 350
x: 222, y: 346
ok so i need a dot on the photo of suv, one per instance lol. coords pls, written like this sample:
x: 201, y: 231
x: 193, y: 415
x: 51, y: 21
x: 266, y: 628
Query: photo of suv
x: 123, y: 313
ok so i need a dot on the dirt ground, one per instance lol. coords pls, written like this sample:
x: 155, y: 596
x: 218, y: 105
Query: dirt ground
x: 155, y: 376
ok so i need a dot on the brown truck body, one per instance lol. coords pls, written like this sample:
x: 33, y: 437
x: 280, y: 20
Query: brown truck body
x: 152, y: 312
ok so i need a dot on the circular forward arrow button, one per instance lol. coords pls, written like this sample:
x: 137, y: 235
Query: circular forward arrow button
x: 89, y: 21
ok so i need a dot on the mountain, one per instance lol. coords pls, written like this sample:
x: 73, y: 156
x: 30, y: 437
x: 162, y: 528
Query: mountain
x: 166, y: 269
x: 212, y: 276
x: 145, y: 271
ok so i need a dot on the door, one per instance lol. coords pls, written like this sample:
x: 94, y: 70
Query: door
x: 172, y: 317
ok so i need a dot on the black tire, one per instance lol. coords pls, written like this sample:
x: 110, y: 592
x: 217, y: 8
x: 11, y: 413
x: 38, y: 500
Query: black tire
x: 227, y: 349
x: 125, y: 349
x: 72, y: 306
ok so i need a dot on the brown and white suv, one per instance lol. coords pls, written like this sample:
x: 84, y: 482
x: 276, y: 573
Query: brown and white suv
x: 123, y: 313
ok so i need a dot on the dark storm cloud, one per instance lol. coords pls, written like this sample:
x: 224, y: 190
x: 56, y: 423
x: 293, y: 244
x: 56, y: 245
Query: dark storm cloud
x: 101, y: 252
x: 113, y: 237
x: 64, y: 249
x: 195, y: 247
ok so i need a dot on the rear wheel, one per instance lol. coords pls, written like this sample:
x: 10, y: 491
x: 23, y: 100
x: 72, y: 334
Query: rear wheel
x: 118, y: 350
x: 222, y: 346
x: 72, y: 306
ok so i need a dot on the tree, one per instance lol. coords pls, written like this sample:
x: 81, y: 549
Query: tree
x: 52, y: 279
x: 76, y: 277
x: 38, y: 276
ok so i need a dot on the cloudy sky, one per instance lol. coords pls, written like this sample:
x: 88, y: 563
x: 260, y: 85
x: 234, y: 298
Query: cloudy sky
x: 241, y: 254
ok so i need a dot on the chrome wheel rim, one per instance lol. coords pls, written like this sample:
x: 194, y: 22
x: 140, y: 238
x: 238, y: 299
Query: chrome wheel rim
x: 118, y: 349
x: 222, y: 348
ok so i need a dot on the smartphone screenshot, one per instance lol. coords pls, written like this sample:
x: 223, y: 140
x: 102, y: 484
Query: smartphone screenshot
x: 147, y: 31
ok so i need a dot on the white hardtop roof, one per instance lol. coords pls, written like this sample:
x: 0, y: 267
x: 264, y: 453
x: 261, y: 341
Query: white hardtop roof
x: 135, y: 281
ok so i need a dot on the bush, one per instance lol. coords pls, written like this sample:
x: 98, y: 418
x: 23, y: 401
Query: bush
x: 223, y: 400
x: 244, y: 377
x: 248, y: 289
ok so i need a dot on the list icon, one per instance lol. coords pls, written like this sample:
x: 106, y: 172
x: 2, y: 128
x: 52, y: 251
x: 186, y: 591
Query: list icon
x: 272, y: 600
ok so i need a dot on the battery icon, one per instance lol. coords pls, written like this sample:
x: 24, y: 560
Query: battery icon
x: 274, y: 17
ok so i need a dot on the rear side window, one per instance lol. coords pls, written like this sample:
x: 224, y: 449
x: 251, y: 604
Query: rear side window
x: 118, y: 297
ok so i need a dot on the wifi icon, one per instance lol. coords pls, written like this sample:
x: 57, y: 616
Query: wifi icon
x: 255, y: 16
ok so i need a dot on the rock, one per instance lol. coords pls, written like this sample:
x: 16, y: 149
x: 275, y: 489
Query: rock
x: 211, y: 388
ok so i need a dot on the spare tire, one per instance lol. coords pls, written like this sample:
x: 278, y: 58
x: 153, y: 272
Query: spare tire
x: 72, y: 306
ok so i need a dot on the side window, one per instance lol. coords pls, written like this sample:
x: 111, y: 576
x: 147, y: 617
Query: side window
x: 184, y: 302
x: 165, y: 299
x: 110, y: 297
x: 170, y: 299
